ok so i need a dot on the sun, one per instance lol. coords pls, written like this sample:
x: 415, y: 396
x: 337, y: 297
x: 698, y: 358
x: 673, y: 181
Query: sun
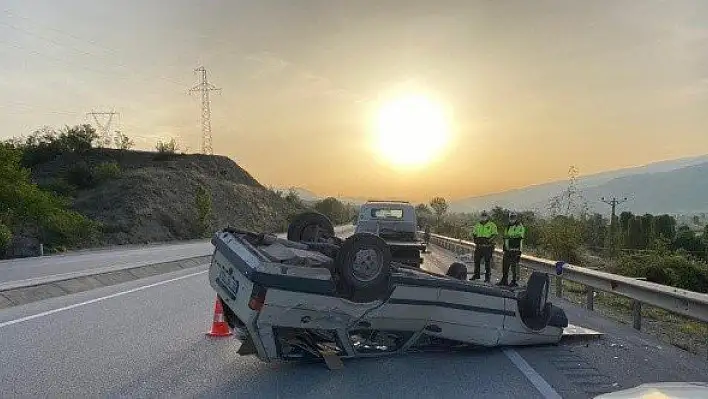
x: 411, y: 130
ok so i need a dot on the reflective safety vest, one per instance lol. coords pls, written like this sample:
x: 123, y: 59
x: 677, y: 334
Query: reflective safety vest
x: 514, y: 236
x: 483, y: 233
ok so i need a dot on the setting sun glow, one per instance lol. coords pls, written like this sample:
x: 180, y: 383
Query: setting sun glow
x: 411, y: 131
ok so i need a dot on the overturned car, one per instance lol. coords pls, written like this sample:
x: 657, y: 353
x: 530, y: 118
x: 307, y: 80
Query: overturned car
x: 317, y: 296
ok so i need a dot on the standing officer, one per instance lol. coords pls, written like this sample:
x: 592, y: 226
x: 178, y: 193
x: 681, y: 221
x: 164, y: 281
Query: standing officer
x: 483, y: 235
x: 513, y: 243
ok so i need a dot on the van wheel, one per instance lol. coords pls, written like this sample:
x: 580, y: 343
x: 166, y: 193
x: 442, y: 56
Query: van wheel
x: 310, y: 227
x: 364, y: 267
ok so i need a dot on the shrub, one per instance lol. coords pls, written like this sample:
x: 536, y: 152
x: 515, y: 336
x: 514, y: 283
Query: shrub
x: 60, y: 187
x: 106, y: 171
x: 672, y: 270
x: 562, y: 238
x: 5, y: 236
x: 25, y: 204
x: 204, y: 211
x: 123, y: 142
x: 80, y: 176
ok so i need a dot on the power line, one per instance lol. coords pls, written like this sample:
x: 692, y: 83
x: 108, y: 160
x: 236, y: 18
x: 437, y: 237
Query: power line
x: 204, y: 87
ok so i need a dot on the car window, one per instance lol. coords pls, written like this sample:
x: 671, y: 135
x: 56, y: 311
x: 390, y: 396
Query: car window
x: 386, y: 213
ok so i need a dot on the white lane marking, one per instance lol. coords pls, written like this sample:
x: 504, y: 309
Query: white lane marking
x: 103, y: 298
x: 541, y: 385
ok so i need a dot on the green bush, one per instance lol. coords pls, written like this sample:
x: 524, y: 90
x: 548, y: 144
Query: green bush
x: 60, y: 187
x: 562, y: 238
x: 106, y: 171
x: 80, y: 176
x: 165, y: 150
x: 672, y: 270
x: 5, y: 236
x: 25, y: 204
x: 204, y: 211
x: 45, y: 144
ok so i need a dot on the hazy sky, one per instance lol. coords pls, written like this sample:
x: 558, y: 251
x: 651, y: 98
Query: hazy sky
x: 532, y: 86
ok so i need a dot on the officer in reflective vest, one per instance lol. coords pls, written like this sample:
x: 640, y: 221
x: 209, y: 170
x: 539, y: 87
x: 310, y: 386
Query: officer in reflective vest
x: 483, y: 235
x: 514, y: 236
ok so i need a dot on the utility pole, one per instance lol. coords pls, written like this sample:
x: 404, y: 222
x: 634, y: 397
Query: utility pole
x: 613, y: 203
x: 204, y: 87
x: 104, y: 128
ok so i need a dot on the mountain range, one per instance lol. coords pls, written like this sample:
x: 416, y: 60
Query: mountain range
x: 675, y: 186
x: 678, y: 186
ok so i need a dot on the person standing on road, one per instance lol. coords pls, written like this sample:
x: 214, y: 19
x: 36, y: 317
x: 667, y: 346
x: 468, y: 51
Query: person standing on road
x: 426, y: 234
x: 514, y: 236
x: 483, y: 235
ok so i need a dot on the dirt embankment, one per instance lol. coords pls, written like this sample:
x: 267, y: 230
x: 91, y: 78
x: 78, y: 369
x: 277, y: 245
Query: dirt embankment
x: 152, y: 197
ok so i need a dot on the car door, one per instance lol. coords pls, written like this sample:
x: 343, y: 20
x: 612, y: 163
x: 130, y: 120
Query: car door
x: 469, y: 315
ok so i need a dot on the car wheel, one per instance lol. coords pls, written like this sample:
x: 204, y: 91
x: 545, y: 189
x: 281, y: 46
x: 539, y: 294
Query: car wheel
x: 364, y: 266
x: 537, y: 291
x: 457, y: 270
x: 310, y: 227
x: 533, y: 302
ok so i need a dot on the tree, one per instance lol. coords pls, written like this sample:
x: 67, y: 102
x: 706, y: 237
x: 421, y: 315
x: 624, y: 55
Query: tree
x: 25, y: 205
x: 634, y: 233
x: 562, y: 238
x: 696, y: 220
x: 334, y: 209
x: 423, y: 214
x: 169, y: 147
x: 665, y: 226
x: 293, y: 197
x: 439, y: 205
x: 595, y: 231
x: 122, y: 141
x: 624, y: 219
x: 647, y: 230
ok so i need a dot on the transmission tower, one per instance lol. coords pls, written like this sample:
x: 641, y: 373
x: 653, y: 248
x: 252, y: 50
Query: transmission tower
x: 204, y: 87
x: 104, y: 120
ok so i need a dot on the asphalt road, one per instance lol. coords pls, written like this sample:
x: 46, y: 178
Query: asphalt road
x: 28, y: 268
x: 146, y: 338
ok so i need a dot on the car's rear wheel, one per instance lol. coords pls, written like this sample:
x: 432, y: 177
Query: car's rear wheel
x: 364, y: 267
x: 310, y: 227
x: 534, y: 308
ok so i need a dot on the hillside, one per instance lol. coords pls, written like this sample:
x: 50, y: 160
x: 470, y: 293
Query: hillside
x: 151, y: 199
x: 620, y: 183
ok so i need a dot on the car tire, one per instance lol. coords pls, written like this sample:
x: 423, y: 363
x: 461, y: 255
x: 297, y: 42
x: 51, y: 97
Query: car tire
x: 458, y: 271
x: 363, y: 266
x: 537, y: 291
x: 534, y: 308
x: 310, y: 227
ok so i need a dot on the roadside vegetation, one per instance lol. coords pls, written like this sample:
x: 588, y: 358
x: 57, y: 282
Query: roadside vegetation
x: 654, y: 248
x: 28, y: 210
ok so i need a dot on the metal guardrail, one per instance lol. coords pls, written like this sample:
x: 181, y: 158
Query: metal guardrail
x: 683, y: 302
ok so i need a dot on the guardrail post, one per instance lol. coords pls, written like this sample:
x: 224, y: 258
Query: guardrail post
x: 590, y: 299
x: 637, y: 315
x: 559, y: 287
x: 41, y: 249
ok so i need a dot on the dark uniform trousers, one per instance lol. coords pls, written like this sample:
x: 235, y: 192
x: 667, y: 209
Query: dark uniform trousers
x: 510, y: 261
x: 483, y: 252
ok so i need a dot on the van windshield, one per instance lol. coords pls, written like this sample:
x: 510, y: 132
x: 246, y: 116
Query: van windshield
x: 386, y: 213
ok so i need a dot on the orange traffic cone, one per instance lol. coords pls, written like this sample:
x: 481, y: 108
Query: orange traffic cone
x: 219, y: 328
